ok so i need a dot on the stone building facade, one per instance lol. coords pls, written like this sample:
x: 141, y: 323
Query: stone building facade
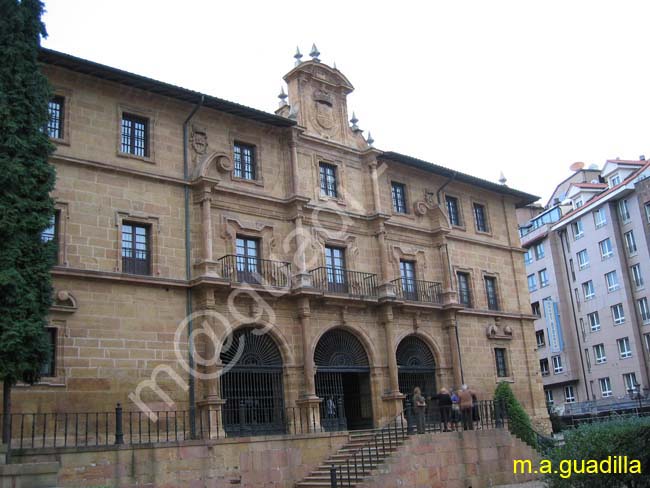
x: 316, y: 269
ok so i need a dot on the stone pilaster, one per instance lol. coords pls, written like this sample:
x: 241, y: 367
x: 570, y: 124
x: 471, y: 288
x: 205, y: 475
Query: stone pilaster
x: 449, y: 325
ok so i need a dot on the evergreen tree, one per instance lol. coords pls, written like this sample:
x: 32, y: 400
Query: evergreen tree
x: 26, y: 180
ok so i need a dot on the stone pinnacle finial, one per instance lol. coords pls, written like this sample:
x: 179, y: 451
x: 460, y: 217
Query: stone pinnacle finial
x: 283, y: 97
x: 502, y: 179
x: 370, y: 140
x: 353, y: 121
x: 314, y: 53
x: 293, y: 113
x: 335, y: 66
x: 298, y: 56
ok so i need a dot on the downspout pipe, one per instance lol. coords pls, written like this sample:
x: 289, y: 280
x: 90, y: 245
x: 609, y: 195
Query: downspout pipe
x: 451, y: 178
x: 188, y: 266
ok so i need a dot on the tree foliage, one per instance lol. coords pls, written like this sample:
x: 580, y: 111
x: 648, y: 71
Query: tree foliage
x: 26, y: 180
x: 518, y: 420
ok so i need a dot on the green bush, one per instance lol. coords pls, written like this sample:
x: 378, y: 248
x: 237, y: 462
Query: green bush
x: 597, y: 442
x: 518, y: 420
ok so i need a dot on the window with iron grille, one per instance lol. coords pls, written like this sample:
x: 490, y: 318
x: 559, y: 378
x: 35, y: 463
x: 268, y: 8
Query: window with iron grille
x: 480, y: 217
x: 541, y: 341
x: 464, y: 295
x: 543, y: 367
x: 136, y: 248
x: 55, y: 114
x: 558, y: 367
x: 245, y: 163
x: 491, y: 292
x: 135, y: 135
x: 594, y: 321
x: 599, y: 353
x: 605, y: 387
x: 644, y: 310
x: 618, y: 313
x: 48, y: 368
x: 51, y: 233
x: 636, y: 275
x: 569, y: 394
x: 624, y: 349
x: 399, y: 197
x: 501, y: 363
x: 328, y: 185
x: 453, y: 210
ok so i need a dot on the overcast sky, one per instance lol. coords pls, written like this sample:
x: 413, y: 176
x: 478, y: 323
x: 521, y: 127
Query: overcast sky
x: 517, y: 86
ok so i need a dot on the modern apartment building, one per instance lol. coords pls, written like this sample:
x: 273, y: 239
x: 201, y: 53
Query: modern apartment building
x: 586, y: 259
x: 342, y: 274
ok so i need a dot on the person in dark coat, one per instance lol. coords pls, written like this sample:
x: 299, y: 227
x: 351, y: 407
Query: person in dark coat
x: 419, y: 405
x: 444, y: 404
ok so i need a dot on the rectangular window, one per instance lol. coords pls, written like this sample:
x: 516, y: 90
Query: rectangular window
x: 646, y: 339
x: 623, y: 211
x: 630, y: 243
x: 480, y: 217
x: 594, y: 321
x: 532, y: 282
x: 573, y: 272
x: 501, y: 363
x: 535, y: 308
x: 600, y: 218
x: 539, y: 335
x: 583, y: 259
x: 453, y: 210
x: 557, y: 364
x: 539, y: 250
x: 55, y: 114
x: 543, y: 278
x: 136, y: 248
x: 644, y: 310
x: 336, y: 273
x: 606, y: 250
x: 491, y: 292
x: 636, y: 275
x: 605, y: 387
x: 582, y: 328
x: 51, y: 233
x: 248, y: 260
x: 48, y: 368
x: 543, y: 367
x: 528, y: 256
x: 614, y: 180
x: 618, y: 314
x: 588, y: 290
x: 588, y: 359
x: 624, y: 350
x: 135, y: 135
x: 399, y: 197
x: 328, y: 184
x: 578, y: 229
x: 549, y: 397
x: 464, y: 295
x: 245, y: 163
x: 569, y: 394
x: 577, y: 203
x: 631, y: 385
x: 646, y: 206
x: 577, y: 295
x: 611, y: 279
x: 599, y: 354
x: 409, y: 285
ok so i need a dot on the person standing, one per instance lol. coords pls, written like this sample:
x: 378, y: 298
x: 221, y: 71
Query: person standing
x: 465, y: 397
x: 419, y: 404
x: 444, y: 404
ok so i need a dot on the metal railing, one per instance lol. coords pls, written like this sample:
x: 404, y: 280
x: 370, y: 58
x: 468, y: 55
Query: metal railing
x: 255, y: 271
x: 117, y: 427
x: 418, y: 290
x: 136, y: 261
x: 344, y: 281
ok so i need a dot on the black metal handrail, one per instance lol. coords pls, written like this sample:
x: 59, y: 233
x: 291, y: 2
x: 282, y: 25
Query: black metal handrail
x: 255, y: 271
x: 418, y: 290
x: 344, y: 281
x: 136, y: 261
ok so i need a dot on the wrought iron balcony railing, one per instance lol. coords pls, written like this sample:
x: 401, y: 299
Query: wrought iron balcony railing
x: 255, y: 271
x: 136, y: 261
x: 344, y: 281
x: 418, y: 290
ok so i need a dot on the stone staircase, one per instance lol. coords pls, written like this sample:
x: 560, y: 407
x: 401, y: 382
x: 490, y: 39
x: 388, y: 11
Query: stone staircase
x: 365, y: 451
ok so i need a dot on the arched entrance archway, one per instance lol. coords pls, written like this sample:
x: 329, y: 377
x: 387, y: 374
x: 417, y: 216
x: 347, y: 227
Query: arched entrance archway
x: 252, y: 386
x: 416, y: 366
x: 343, y: 381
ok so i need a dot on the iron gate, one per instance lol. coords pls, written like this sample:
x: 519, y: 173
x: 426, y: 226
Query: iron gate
x: 253, y: 387
x: 417, y: 367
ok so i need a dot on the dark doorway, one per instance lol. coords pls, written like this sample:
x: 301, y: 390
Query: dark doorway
x: 343, y: 382
x: 253, y: 387
x: 416, y: 367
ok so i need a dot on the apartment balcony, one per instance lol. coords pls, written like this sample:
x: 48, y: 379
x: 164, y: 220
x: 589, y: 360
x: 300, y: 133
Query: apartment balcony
x: 255, y: 271
x: 344, y: 282
x: 418, y: 290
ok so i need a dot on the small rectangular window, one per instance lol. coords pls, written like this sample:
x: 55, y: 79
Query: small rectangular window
x: 135, y: 135
x: 48, y: 368
x: 136, y: 248
x: 599, y: 354
x: 337, y: 279
x: 606, y: 250
x: 539, y: 335
x: 646, y: 206
x: 558, y: 367
x: 480, y: 217
x: 245, y: 165
x: 624, y: 350
x: 409, y: 283
x: 600, y: 218
x: 535, y: 308
x: 594, y: 321
x: 614, y: 180
x: 55, y: 114
x: 491, y: 293
x: 543, y: 367
x: 636, y: 276
x: 588, y: 359
x: 528, y: 256
x: 623, y: 211
x: 630, y: 243
x: 51, y: 234
x: 539, y: 250
x: 328, y: 183
x: 618, y: 313
x: 631, y: 385
x: 583, y: 259
x: 605, y: 387
x: 549, y: 397
x: 543, y: 278
x: 578, y: 229
x: 611, y: 279
x: 644, y: 310
x: 399, y: 197
x: 532, y: 282
x: 588, y: 290
x: 249, y: 264
x: 501, y: 363
x: 569, y: 394
x: 453, y: 210
x: 464, y: 295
